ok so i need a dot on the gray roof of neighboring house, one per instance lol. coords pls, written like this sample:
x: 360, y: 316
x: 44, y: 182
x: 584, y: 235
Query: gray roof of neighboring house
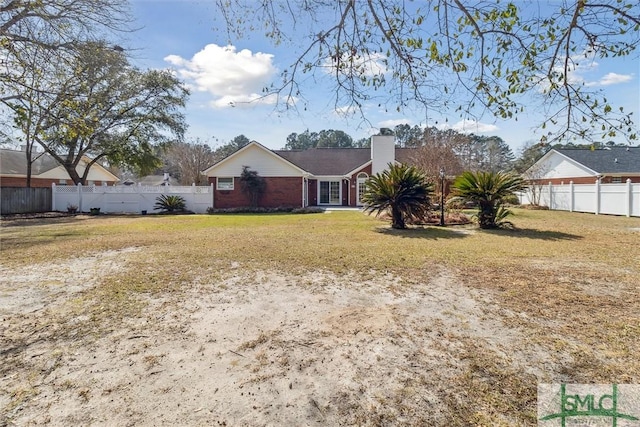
x: 157, y: 180
x: 14, y: 162
x: 334, y: 161
x: 618, y: 160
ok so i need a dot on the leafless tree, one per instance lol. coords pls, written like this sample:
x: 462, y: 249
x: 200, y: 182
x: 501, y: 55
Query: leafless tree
x: 187, y: 160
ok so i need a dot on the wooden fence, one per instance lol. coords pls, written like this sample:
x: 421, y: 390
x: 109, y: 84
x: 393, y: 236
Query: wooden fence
x: 17, y: 200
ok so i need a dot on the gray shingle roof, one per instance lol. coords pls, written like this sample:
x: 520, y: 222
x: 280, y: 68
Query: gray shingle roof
x: 14, y: 162
x: 618, y: 160
x: 333, y: 161
x: 327, y: 161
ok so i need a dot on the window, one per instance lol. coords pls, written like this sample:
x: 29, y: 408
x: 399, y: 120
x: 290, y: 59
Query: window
x: 616, y: 180
x: 62, y: 182
x: 224, y: 183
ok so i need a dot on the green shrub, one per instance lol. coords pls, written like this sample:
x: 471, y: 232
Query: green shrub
x: 511, y: 199
x: 252, y: 184
x: 308, y: 210
x: 279, y: 209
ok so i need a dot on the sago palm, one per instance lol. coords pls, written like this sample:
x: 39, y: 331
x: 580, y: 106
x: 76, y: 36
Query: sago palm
x: 403, y: 190
x: 488, y: 190
x: 170, y: 203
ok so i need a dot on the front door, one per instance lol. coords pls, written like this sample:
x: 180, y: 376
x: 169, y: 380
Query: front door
x: 362, y: 187
x: 329, y: 193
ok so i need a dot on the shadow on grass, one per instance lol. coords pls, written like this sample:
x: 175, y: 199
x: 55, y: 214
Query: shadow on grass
x: 531, y: 233
x: 26, y: 222
x: 53, y: 218
x: 433, y: 233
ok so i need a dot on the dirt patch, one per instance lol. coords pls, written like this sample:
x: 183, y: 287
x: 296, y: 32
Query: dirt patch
x: 32, y: 288
x: 252, y: 348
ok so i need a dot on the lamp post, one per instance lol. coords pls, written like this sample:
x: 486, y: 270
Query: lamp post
x: 442, y: 197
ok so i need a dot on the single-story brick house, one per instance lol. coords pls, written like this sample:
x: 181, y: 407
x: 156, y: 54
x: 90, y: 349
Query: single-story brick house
x: 45, y: 171
x: 301, y: 178
x: 584, y: 166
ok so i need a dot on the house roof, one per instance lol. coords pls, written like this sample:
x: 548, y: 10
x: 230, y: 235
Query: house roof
x: 14, y: 162
x: 157, y: 180
x: 617, y: 160
x: 335, y: 161
x: 327, y: 161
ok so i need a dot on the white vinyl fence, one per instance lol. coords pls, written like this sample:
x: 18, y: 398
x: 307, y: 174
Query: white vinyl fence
x: 597, y: 198
x: 127, y: 199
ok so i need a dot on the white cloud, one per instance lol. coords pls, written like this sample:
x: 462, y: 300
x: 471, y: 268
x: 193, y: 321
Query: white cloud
x: 613, y: 78
x: 391, y: 124
x: 578, y: 65
x: 578, y: 69
x: 470, y: 126
x: 245, y: 100
x: 230, y: 76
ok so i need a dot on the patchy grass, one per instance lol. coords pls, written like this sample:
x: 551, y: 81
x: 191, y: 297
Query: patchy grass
x: 567, y: 281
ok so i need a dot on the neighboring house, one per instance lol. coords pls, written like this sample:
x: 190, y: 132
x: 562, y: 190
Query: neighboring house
x: 45, y: 171
x: 584, y: 166
x: 313, y: 177
x: 153, y: 180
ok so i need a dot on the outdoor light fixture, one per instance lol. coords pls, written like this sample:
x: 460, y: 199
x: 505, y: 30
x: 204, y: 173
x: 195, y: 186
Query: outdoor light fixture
x: 442, y: 197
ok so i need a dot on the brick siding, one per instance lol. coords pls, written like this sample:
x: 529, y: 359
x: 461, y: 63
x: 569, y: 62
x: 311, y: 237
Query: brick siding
x: 279, y: 191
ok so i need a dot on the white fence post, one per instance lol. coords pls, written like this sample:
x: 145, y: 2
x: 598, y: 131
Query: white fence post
x: 79, y: 197
x: 213, y: 197
x: 53, y: 196
x: 550, y: 195
x: 571, y: 198
x: 597, y: 194
x: 629, y: 197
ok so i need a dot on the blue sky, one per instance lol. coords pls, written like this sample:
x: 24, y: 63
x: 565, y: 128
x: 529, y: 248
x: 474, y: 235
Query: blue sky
x: 184, y: 35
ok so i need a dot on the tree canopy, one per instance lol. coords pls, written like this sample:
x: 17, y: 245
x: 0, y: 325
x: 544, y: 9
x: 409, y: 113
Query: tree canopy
x: 471, y: 57
x: 232, y: 146
x: 49, y: 30
x: 324, y: 139
x: 96, y: 104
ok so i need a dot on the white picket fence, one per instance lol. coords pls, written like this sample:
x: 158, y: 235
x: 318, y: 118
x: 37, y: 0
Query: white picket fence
x: 597, y: 198
x: 127, y: 199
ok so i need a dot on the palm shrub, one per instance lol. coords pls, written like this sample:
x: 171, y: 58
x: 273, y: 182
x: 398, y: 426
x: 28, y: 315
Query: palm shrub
x: 489, y: 190
x: 403, y: 190
x: 170, y: 203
